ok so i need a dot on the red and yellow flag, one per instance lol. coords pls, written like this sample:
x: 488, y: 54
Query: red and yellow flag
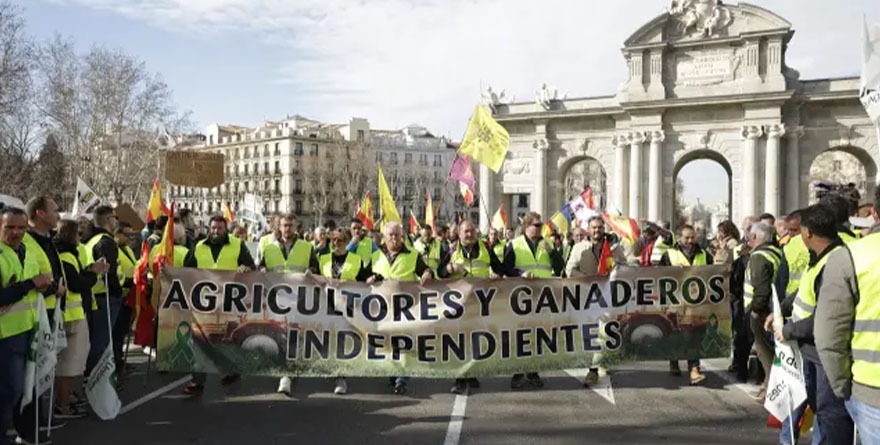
x: 154, y: 206
x: 365, y: 212
x: 606, y: 259
x: 413, y: 224
x: 499, y: 221
x: 228, y: 214
x: 625, y: 227
x: 139, y: 300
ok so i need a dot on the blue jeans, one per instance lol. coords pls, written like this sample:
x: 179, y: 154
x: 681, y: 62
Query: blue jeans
x: 867, y: 419
x: 13, y: 353
x: 99, y: 336
x: 837, y: 425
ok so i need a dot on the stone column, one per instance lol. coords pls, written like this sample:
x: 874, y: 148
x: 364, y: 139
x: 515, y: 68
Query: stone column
x: 487, y: 198
x: 620, y: 145
x: 541, y: 146
x: 772, y: 191
x: 636, y: 139
x: 793, y: 169
x: 750, y: 134
x: 655, y: 172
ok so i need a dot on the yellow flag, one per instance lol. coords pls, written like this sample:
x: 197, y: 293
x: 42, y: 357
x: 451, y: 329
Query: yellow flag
x: 485, y: 140
x: 429, y: 213
x: 386, y: 201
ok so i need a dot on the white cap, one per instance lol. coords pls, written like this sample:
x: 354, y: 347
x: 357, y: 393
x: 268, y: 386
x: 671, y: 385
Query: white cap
x: 863, y: 222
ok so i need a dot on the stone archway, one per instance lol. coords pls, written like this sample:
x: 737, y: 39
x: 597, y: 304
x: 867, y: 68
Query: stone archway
x: 577, y: 172
x: 855, y: 165
x: 709, y: 213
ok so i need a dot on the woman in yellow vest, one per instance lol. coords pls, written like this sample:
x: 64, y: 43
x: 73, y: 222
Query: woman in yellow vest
x: 686, y: 254
x: 340, y: 264
x: 72, y: 359
x: 395, y: 262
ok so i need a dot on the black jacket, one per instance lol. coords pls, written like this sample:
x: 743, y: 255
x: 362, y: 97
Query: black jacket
x: 107, y: 249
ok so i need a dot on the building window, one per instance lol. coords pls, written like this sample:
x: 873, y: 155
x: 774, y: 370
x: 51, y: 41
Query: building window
x: 246, y: 169
x: 298, y: 149
x: 423, y: 159
x: 298, y: 207
x: 277, y: 205
x: 407, y: 158
x: 438, y: 160
x: 436, y: 175
x: 313, y: 150
x: 266, y: 150
x: 522, y: 201
x: 436, y: 196
x: 837, y: 165
x: 277, y: 167
x: 277, y: 188
x: 298, y: 186
x: 361, y: 135
x: 247, y: 152
x: 277, y: 149
x: 297, y: 164
x: 393, y: 158
x: 266, y: 168
x: 265, y: 185
x: 247, y: 186
x: 228, y: 171
x: 236, y: 153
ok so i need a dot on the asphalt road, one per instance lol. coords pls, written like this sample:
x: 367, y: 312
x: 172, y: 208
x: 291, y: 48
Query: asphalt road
x: 637, y: 404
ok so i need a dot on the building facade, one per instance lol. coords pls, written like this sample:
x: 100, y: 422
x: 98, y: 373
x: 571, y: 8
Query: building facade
x: 707, y: 80
x: 320, y: 171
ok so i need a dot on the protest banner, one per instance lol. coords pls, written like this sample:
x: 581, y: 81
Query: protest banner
x: 194, y: 169
x: 274, y: 324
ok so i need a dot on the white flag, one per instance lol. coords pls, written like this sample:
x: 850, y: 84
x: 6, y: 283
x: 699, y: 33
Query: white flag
x: 870, y: 85
x: 786, y: 389
x: 100, y: 387
x: 60, y: 335
x: 41, y: 357
x: 86, y: 200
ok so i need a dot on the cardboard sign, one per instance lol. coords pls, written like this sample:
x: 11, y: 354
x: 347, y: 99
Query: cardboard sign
x: 194, y: 169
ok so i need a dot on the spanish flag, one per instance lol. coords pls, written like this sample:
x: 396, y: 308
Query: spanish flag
x: 625, y: 227
x: 228, y: 214
x: 154, y: 207
x: 387, y: 207
x: 499, y: 221
x: 485, y: 139
x: 606, y: 259
x: 365, y: 212
x: 413, y: 224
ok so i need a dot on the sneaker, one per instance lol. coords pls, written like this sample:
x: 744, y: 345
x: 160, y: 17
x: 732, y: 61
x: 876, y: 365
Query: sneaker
x: 535, y: 380
x: 517, y: 381
x: 400, y: 387
x: 473, y: 383
x: 70, y: 412
x: 459, y: 387
x: 284, y: 385
x: 592, y: 377
x: 194, y: 389
x: 230, y: 378
x: 341, y: 386
x: 697, y: 377
x: 674, y: 369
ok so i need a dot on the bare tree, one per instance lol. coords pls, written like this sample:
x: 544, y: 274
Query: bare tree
x: 104, y: 108
x: 356, y: 173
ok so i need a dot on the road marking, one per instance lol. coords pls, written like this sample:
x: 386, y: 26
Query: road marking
x: 154, y: 394
x: 456, y: 420
x: 603, y: 387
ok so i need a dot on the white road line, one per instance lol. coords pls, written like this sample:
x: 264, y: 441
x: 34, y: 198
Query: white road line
x: 153, y: 395
x: 456, y: 420
x: 603, y: 388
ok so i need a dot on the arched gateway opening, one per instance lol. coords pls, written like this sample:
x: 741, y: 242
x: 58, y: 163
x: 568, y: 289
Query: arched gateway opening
x: 841, y: 168
x: 703, y: 191
x: 581, y: 172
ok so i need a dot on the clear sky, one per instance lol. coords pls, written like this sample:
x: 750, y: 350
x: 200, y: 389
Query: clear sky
x: 397, y: 62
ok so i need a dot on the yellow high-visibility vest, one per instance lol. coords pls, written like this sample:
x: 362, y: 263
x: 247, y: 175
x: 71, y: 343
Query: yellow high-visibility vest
x: 478, y: 267
x: 774, y: 255
x: 403, y: 269
x: 19, y: 317
x: 227, y: 260
x: 430, y: 252
x: 805, y: 303
x: 297, y: 259
x: 365, y: 250
x: 42, y: 259
x: 99, y: 287
x: 127, y: 263
x: 73, y: 303
x: 350, y: 268
x: 865, y: 343
x: 538, y: 264
x: 85, y: 260
x: 678, y: 258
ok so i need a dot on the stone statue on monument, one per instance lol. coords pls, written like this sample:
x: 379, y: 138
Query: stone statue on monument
x: 546, y: 95
x: 493, y: 100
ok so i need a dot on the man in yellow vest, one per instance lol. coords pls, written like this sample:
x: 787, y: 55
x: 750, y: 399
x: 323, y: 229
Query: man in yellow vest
x: 395, y: 262
x: 20, y: 286
x: 432, y: 249
x: 819, y: 234
x: 687, y: 253
x: 218, y: 251
x: 470, y: 258
x: 797, y: 256
x: 289, y: 254
x: 847, y: 328
x: 107, y: 292
x: 340, y: 264
x: 530, y: 256
x: 361, y: 242
x: 127, y: 262
x: 43, y: 216
x: 495, y: 243
x: 760, y: 275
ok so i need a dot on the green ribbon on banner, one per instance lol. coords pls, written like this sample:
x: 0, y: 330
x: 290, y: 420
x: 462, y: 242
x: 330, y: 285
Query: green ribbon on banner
x: 181, y: 354
x: 712, y: 341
